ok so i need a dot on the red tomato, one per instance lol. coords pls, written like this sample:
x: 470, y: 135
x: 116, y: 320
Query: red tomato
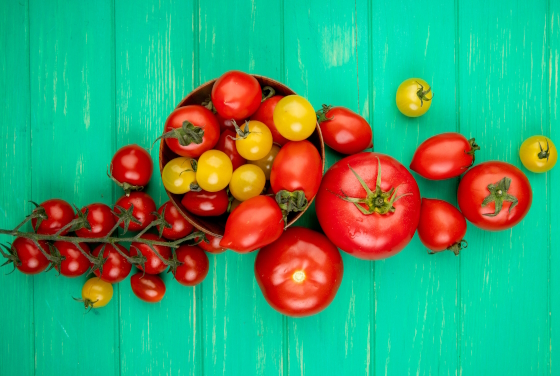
x: 236, y: 95
x: 213, y: 245
x: 195, y: 265
x: 59, y: 213
x: 206, y: 204
x: 344, y: 130
x: 227, y: 124
x: 444, y: 156
x: 180, y: 227
x: 142, y: 211
x: 75, y: 263
x: 264, y: 115
x: 116, y: 268
x: 132, y: 166
x: 300, y: 273
x: 149, y: 288
x: 494, y: 195
x: 101, y: 220
x: 226, y: 143
x: 30, y: 259
x: 198, y: 131
x: 253, y: 224
x: 373, y: 220
x: 441, y: 227
x: 153, y: 263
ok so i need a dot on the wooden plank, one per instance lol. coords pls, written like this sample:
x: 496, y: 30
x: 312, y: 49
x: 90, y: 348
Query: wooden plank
x: 72, y: 126
x: 503, y: 83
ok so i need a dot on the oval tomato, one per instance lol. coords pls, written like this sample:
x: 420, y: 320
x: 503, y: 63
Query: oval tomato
x: 180, y: 227
x: 236, y: 95
x: 265, y: 114
x: 75, y: 263
x: 153, y: 264
x: 226, y: 144
x: 368, y: 205
x: 149, y: 288
x: 213, y: 245
x: 206, y: 204
x: 101, y: 221
x: 28, y: 257
x: 442, y: 226
x: 116, y: 267
x: 143, y: 207
x: 59, y: 213
x: 344, y: 130
x: 194, y: 267
x: 494, y: 195
x: 132, y: 167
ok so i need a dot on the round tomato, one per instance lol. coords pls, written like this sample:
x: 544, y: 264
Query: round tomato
x: 300, y: 273
x: 149, y: 288
x: 265, y: 115
x: 75, y: 263
x: 180, y: 227
x: 153, y: 264
x: 100, y: 219
x: 295, y: 118
x: 253, y: 141
x: 441, y: 227
x: 96, y: 293
x: 444, y: 156
x: 179, y: 175
x: 191, y: 130
x: 194, y: 267
x: 27, y: 257
x: 227, y: 145
x: 236, y: 95
x: 116, y: 267
x: 247, y: 181
x: 494, y: 195
x: 206, y: 204
x: 213, y: 245
x: 344, y: 130
x: 265, y: 163
x: 214, y: 171
x: 58, y: 214
x: 131, y: 167
x: 538, y: 154
x: 369, y: 205
x: 143, y: 207
x: 414, y: 97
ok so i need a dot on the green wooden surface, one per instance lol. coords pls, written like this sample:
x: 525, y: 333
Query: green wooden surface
x: 78, y: 80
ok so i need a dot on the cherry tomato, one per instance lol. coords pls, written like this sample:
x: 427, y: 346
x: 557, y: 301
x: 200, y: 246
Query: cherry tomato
x: 247, y: 181
x: 344, y: 130
x: 265, y: 115
x: 236, y: 95
x: 255, y: 140
x: 444, y: 156
x: 59, y: 213
x: 143, y: 209
x: 538, y: 154
x: 96, y: 293
x: 179, y: 175
x: 191, y: 130
x: 180, y: 227
x: 227, y: 145
x: 441, y: 226
x: 266, y: 162
x: 214, y: 171
x: 132, y: 167
x: 149, y: 288
x: 116, y: 268
x: 101, y: 220
x: 213, y: 245
x: 368, y: 205
x: 194, y: 266
x: 30, y: 259
x: 206, y: 204
x: 494, y: 195
x: 227, y: 124
x: 253, y: 224
x: 300, y: 273
x: 295, y: 118
x: 414, y: 97
x: 153, y: 264
x: 75, y: 263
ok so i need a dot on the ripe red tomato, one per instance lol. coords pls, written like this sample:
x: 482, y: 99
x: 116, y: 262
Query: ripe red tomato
x: 344, y: 130
x: 180, y: 227
x: 226, y: 143
x: 142, y: 211
x: 30, y: 259
x: 253, y: 224
x: 59, y: 213
x: 116, y: 268
x: 236, y: 95
x: 206, y: 204
x: 372, y: 220
x: 75, y: 263
x: 300, y: 273
x: 227, y: 124
x: 153, y: 264
x: 486, y: 189
x: 264, y: 115
x: 444, y: 156
x: 101, y: 220
x: 132, y: 167
x: 213, y: 245
x: 442, y: 226
x: 191, y: 130
x: 149, y: 288
x: 195, y: 265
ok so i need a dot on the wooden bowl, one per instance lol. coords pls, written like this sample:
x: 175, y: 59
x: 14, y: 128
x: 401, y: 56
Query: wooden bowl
x: 215, y: 226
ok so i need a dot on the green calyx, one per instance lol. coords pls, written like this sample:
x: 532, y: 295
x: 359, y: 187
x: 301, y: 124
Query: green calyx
x: 322, y: 113
x: 291, y: 202
x: 422, y: 94
x: 241, y: 133
x: 498, y: 195
x: 544, y: 153
x: 455, y: 248
x: 187, y: 134
x: 207, y: 103
x: 267, y: 92
x: 127, y: 187
x: 474, y: 148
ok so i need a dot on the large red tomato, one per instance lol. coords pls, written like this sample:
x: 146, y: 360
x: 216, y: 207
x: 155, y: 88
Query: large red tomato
x: 236, y: 95
x: 441, y: 227
x: 59, y: 213
x: 143, y: 207
x: 344, y: 130
x: 132, y: 167
x: 180, y: 227
x: 116, y: 267
x: 101, y: 220
x: 369, y: 205
x: 300, y: 273
x: 206, y: 204
x: 494, y: 195
x: 226, y: 143
x: 264, y: 115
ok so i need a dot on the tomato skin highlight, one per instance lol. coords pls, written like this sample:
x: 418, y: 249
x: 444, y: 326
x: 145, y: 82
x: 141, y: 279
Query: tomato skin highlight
x: 147, y: 287
x: 538, y: 154
x: 213, y: 245
x: 101, y: 219
x: 31, y: 259
x: 265, y: 114
x: 116, y: 268
x: 97, y: 292
x: 132, y: 164
x: 153, y: 264
x: 345, y: 131
x: 441, y: 225
x: 226, y: 144
x: 144, y: 206
x: 236, y: 95
x: 300, y: 273
x: 206, y: 204
x: 195, y: 265
x: 180, y: 227
x: 59, y: 214
x: 75, y: 263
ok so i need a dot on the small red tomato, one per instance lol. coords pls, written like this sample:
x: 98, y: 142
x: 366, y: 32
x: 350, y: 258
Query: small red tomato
x: 116, y: 268
x: 227, y: 124
x: 180, y: 227
x: 236, y: 95
x: 444, y: 156
x: 206, y: 204
x: 213, y: 245
x: 30, y: 259
x: 142, y: 211
x: 149, y: 288
x: 494, y: 195
x: 253, y: 224
x: 194, y: 267
x: 153, y: 264
x: 300, y: 273
x: 226, y: 143
x: 101, y: 220
x: 59, y: 213
x: 191, y: 130
x: 264, y: 115
x: 442, y: 226
x: 75, y: 263
x: 344, y: 130
x: 132, y: 167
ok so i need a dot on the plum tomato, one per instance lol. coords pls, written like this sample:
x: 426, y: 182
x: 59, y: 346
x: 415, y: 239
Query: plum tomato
x: 227, y: 145
x: 213, y: 245
x: 96, y: 293
x: 344, y: 130
x: 179, y: 175
x: 147, y: 287
x: 441, y: 226
x: 236, y: 95
x: 143, y: 208
x: 246, y: 182
x: 265, y: 114
x: 538, y: 154
x: 206, y: 204
x: 131, y: 167
x: 414, y: 97
x: 180, y: 227
x: 214, y: 171
x: 116, y: 268
x: 58, y: 214
x: 27, y: 257
x: 266, y: 162
x: 194, y: 267
x: 253, y: 141
x: 295, y: 118
x: 101, y: 220
x: 153, y: 264
x: 75, y: 263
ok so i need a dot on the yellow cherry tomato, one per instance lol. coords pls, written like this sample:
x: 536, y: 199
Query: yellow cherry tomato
x: 538, y: 154
x: 247, y: 182
x: 265, y: 163
x: 214, y: 171
x: 294, y: 118
x: 96, y: 293
x: 254, y: 140
x: 178, y: 175
x: 414, y: 97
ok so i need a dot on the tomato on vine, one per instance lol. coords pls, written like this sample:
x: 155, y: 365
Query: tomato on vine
x: 131, y: 168
x: 116, y: 267
x: 100, y: 220
x: 294, y: 118
x: 143, y: 207
x: 180, y: 227
x: 538, y: 154
x: 414, y: 97
x: 247, y: 181
x: 213, y: 245
x: 74, y: 262
x: 153, y: 264
x: 214, y: 171
x: 253, y: 141
x: 194, y: 267
x: 51, y: 216
x: 179, y: 175
x: 26, y: 256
